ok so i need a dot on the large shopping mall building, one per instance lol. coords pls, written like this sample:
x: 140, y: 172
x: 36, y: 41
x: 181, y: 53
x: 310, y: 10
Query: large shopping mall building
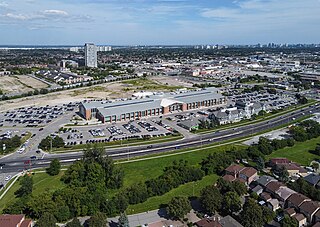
x: 152, y: 105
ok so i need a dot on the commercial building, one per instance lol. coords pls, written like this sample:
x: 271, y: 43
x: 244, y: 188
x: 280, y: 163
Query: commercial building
x: 90, y: 51
x: 153, y: 105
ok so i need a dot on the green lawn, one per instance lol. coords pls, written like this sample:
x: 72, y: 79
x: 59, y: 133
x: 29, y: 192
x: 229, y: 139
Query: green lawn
x: 42, y: 182
x: 188, y: 189
x: 152, y: 168
x: 299, y: 152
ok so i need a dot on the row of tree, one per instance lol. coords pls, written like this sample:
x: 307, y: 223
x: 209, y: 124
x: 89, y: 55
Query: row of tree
x: 51, y: 142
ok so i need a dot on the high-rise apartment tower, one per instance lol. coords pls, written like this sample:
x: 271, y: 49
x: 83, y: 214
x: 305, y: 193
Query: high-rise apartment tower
x: 90, y: 51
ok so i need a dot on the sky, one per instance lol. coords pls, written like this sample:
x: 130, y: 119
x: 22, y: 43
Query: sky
x: 158, y: 22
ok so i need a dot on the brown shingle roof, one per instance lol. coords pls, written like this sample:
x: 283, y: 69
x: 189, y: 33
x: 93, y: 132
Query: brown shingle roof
x: 290, y: 211
x: 229, y: 178
x: 234, y: 168
x: 265, y: 196
x: 206, y: 222
x: 299, y: 217
x: 297, y: 198
x: 309, y: 206
x: 274, y: 186
x: 26, y: 223
x: 248, y: 171
x: 8, y: 220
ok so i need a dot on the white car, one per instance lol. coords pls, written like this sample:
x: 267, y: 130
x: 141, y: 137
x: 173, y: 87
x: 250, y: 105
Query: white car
x: 7, y: 178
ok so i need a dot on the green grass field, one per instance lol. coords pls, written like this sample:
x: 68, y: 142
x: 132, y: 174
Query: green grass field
x: 138, y: 171
x: 299, y: 152
x: 188, y: 189
x: 152, y: 168
x: 42, y: 182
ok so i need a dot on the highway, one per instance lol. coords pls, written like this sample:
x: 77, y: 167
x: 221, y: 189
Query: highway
x: 17, y: 164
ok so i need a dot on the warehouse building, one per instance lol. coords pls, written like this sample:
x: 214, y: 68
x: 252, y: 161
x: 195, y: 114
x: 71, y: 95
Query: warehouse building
x: 152, y: 105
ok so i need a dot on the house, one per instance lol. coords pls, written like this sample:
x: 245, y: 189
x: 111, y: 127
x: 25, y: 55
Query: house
x: 9, y: 220
x: 243, y: 174
x: 283, y: 193
x: 290, y: 211
x: 275, y: 161
x: 295, y: 200
x: 218, y: 221
x: 248, y: 174
x: 301, y: 219
x: 257, y: 189
x: 233, y: 170
x: 309, y: 209
x: 264, y: 180
x: 273, y: 204
x: 312, y: 179
x: 265, y: 196
x: 294, y: 169
x: 274, y: 186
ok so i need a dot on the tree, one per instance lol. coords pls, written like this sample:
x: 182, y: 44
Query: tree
x: 267, y: 214
x: 289, y: 222
x: 260, y: 163
x: 97, y: 220
x: 47, y: 220
x: 54, y: 168
x: 178, y: 207
x: 251, y: 215
x: 282, y: 172
x: 123, y: 220
x: 231, y: 202
x: 315, y: 166
x: 211, y: 199
x: 74, y: 223
x: 239, y: 187
x: 26, y: 186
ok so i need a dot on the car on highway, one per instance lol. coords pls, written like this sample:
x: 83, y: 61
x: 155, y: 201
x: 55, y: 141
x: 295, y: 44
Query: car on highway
x: 33, y: 157
x: 7, y: 178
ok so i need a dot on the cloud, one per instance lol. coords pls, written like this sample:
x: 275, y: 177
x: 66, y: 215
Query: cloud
x: 54, y: 12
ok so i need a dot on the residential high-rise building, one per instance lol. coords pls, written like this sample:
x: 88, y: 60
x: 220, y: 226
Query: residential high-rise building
x: 90, y: 51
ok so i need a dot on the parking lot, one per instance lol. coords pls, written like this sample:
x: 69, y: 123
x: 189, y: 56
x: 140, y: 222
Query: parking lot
x: 34, y: 116
x: 113, y: 132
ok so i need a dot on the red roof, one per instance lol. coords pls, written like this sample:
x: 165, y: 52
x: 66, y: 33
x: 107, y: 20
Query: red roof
x: 8, y: 220
x: 276, y: 161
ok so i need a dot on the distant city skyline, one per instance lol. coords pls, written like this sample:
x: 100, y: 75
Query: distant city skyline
x: 158, y: 22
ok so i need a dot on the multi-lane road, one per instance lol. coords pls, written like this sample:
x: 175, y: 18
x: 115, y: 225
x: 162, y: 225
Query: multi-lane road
x: 15, y: 164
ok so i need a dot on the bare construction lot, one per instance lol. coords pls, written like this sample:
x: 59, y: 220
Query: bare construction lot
x: 112, y: 90
x: 20, y: 83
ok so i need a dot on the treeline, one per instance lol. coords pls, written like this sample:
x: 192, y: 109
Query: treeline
x: 10, y: 144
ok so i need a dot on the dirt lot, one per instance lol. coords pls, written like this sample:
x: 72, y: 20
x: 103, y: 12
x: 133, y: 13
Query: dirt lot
x: 102, y: 91
x: 21, y: 83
